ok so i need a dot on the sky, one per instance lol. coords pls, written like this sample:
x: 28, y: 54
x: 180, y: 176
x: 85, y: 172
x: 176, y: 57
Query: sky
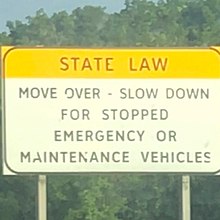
x: 11, y: 10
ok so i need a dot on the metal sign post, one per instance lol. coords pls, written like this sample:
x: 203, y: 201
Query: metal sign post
x: 186, y: 212
x: 42, y: 197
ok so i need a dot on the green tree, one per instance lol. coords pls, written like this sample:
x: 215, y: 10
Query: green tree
x: 39, y: 30
x: 84, y: 198
x: 89, y: 21
x: 17, y: 197
x: 4, y: 39
x: 65, y: 28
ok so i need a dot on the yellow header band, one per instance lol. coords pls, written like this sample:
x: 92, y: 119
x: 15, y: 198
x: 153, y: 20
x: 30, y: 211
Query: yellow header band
x: 40, y: 62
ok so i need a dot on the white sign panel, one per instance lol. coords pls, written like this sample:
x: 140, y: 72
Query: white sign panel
x: 78, y: 121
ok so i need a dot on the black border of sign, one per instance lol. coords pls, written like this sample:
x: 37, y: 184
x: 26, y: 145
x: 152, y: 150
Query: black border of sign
x: 3, y: 121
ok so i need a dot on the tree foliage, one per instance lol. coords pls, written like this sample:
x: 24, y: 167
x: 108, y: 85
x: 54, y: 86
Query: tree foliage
x: 141, y: 23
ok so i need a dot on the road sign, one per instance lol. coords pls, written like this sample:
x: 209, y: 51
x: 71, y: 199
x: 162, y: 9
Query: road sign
x: 71, y: 110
